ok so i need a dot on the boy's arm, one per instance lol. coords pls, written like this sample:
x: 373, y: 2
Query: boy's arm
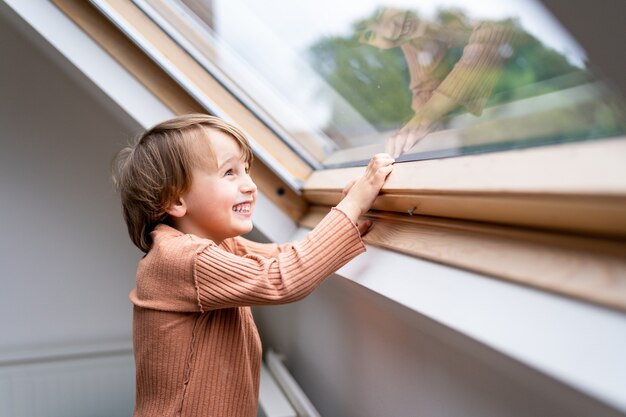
x: 227, y: 280
x: 470, y: 83
x: 223, y: 279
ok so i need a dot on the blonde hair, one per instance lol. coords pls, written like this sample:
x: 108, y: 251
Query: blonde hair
x: 155, y: 169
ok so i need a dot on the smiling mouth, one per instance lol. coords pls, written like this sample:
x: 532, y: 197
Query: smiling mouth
x: 243, y: 208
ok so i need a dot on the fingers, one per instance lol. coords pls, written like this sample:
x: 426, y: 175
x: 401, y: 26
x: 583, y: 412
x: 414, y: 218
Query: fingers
x: 363, y: 191
x: 378, y: 170
x: 364, y: 227
x: 385, y: 170
x: 410, y: 141
x: 390, y: 145
x: 404, y: 139
x: 382, y: 173
x: 415, y: 134
x: 379, y: 161
x: 400, y: 143
x: 395, y: 144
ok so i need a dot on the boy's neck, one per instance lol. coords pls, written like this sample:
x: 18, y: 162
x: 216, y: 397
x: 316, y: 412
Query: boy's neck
x: 185, y: 227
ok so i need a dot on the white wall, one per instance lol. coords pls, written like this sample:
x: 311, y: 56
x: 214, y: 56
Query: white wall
x: 66, y: 264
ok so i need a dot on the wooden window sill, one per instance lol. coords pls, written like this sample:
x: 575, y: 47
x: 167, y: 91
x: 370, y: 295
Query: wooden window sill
x: 573, y: 187
x: 586, y: 268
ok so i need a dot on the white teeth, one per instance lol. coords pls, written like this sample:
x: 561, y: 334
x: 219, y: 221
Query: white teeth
x: 242, y: 208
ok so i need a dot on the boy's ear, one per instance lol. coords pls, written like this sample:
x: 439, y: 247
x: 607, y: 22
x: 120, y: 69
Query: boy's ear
x: 177, y: 208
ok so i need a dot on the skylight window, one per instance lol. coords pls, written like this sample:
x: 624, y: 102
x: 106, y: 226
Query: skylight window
x: 421, y: 80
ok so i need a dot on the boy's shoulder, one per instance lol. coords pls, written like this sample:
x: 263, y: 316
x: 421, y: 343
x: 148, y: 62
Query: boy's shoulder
x: 165, y: 275
x: 173, y: 247
x: 170, y: 244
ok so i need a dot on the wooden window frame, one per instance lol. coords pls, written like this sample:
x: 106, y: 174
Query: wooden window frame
x: 552, y: 217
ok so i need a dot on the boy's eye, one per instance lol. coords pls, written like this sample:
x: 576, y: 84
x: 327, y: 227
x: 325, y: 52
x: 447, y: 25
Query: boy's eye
x: 229, y: 172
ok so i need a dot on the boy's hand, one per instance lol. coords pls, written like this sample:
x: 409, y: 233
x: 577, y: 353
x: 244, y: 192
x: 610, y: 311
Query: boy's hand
x: 404, y: 139
x: 361, y: 193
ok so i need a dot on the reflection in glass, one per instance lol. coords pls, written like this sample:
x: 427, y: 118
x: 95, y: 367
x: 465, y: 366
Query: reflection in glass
x: 423, y: 80
x: 438, y: 88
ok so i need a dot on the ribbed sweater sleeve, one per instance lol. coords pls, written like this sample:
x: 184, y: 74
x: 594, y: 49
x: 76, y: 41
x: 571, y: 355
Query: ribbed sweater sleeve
x: 184, y: 273
x: 242, y: 246
x: 224, y: 279
x: 474, y: 76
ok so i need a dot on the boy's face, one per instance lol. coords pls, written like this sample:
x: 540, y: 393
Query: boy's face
x: 221, y: 199
x: 391, y: 28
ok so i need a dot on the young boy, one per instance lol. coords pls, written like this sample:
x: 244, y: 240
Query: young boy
x: 187, y: 197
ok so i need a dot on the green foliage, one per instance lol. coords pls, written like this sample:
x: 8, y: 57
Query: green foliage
x: 372, y: 80
x: 535, y: 69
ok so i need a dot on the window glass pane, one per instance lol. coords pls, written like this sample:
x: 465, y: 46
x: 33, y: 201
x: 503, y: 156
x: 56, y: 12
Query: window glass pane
x: 421, y: 79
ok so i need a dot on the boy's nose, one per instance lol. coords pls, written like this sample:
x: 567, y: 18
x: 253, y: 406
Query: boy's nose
x: 248, y: 186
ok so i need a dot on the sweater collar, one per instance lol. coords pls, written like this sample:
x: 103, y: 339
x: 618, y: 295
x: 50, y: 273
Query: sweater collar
x: 165, y: 229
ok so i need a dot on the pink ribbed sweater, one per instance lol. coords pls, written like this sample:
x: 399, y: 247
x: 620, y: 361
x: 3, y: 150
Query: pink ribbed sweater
x: 197, y: 350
